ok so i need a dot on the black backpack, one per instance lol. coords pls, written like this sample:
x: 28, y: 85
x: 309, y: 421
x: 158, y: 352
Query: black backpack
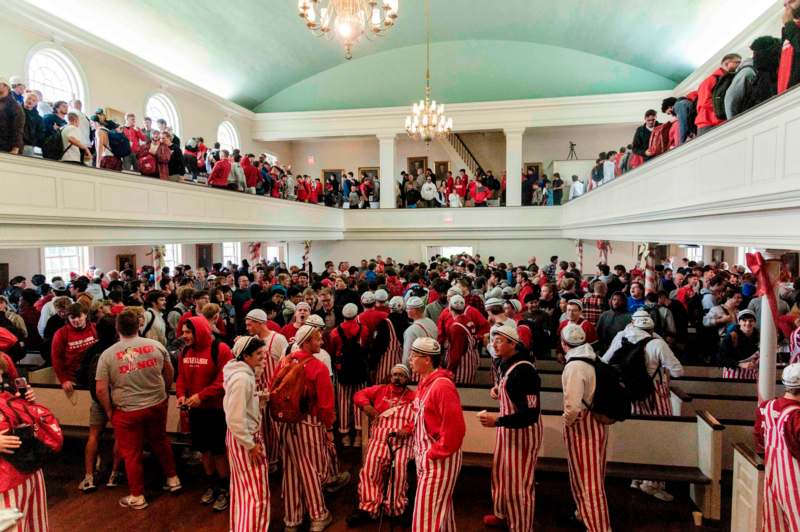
x: 119, y: 144
x: 53, y: 147
x: 630, y: 363
x: 597, y: 173
x: 718, y: 94
x: 610, y: 403
x: 351, y: 366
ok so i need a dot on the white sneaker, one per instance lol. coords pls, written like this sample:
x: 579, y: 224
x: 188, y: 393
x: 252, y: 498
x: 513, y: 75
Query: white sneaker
x: 658, y: 493
x: 172, y: 485
x: 87, y: 484
x: 114, y: 479
x: 322, y: 524
x: 357, y: 441
x: 346, y: 440
x: 137, y: 503
x: 636, y: 484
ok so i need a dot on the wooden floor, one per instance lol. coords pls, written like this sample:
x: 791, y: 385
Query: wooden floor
x: 71, y: 510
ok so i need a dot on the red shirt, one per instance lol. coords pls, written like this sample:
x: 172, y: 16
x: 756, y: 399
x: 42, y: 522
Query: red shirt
x: 273, y: 326
x: 450, y: 185
x: 197, y: 372
x: 382, y: 397
x: 251, y: 174
x: 791, y: 432
x: 471, y: 314
x: 302, y: 191
x: 276, y: 188
x: 443, y: 417
x: 705, y: 101
x: 370, y: 319
x: 69, y: 346
x: 134, y: 136
x: 588, y: 329
x: 350, y: 328
x: 219, y: 174
x: 458, y: 340
x: 319, y: 388
x: 289, y: 331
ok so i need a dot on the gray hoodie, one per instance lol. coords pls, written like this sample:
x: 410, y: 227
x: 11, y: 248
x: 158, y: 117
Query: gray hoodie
x: 242, y: 412
x: 735, y: 94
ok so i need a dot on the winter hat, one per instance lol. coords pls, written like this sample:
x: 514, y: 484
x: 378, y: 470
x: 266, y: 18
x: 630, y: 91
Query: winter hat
x: 791, y: 375
x: 494, y: 302
x: 381, y: 295
x: 396, y: 304
x: 349, y: 311
x: 573, y: 335
x: 426, y: 346
x: 404, y: 368
x: 257, y: 315
x: 507, y: 331
x: 277, y: 288
x: 415, y: 302
x: 4, y: 81
x: 507, y: 292
x: 315, y: 321
x: 303, y: 334
x: 576, y: 302
x: 748, y: 289
x: 367, y: 298
x: 457, y: 303
x: 452, y: 291
x: 239, y: 348
x: 494, y: 293
x: 516, y: 304
x: 746, y: 313
x: 16, y: 80
x: 642, y: 320
x: 304, y: 305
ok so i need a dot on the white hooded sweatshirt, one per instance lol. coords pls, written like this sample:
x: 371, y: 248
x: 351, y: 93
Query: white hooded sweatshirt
x: 242, y: 412
x: 657, y: 352
x: 579, y: 383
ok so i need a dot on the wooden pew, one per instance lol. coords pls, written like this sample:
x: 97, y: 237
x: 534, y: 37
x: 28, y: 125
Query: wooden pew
x: 747, y: 502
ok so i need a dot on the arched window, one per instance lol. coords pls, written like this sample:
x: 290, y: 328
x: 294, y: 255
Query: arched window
x: 160, y: 106
x: 56, y: 75
x: 227, y: 137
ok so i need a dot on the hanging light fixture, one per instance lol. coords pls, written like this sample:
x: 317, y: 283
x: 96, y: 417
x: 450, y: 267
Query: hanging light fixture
x: 348, y: 20
x: 427, y: 120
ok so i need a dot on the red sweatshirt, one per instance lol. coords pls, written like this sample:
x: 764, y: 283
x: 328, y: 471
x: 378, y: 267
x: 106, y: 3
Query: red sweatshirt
x: 458, y: 340
x: 370, y: 319
x: 219, y: 174
x: 302, y: 191
x: 383, y: 397
x: 319, y: 388
x: 251, y: 174
x: 350, y: 328
x: 705, y: 101
x: 443, y: 417
x: 197, y: 373
x: 134, y: 136
x: 289, y: 331
x: 69, y: 346
x: 480, y: 324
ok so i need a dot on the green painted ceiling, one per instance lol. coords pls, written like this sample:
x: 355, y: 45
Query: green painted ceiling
x: 258, y: 54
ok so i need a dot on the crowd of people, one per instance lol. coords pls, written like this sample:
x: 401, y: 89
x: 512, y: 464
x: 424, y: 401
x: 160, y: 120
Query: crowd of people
x: 734, y: 88
x: 273, y: 366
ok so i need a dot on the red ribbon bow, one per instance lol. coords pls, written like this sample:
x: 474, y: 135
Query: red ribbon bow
x: 764, y: 286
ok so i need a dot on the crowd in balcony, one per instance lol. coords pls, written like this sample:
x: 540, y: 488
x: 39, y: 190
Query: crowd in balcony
x: 734, y: 88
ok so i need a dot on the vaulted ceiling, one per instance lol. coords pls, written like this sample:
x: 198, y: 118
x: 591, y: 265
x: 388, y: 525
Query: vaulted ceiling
x: 258, y: 53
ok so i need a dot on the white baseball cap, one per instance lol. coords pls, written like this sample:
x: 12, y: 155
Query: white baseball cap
x: 381, y: 295
x: 415, y: 302
x: 426, y: 346
x: 573, y: 335
x: 457, y: 302
x: 642, y: 320
x: 396, y: 304
x: 349, y: 311
x: 791, y: 375
x: 257, y: 315
x: 367, y: 298
x: 16, y: 80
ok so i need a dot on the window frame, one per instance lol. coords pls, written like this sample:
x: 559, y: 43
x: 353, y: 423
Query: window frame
x: 229, y: 128
x: 81, y: 253
x: 236, y: 257
x: 176, y: 256
x: 168, y: 102
x: 72, y: 67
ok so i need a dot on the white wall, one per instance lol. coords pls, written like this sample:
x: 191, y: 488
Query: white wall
x: 113, y: 83
x: 20, y: 261
x: 548, y: 144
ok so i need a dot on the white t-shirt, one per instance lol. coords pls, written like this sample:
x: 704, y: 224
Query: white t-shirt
x: 73, y: 154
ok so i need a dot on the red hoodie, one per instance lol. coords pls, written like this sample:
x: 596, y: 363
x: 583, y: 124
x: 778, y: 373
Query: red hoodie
x: 458, y: 340
x: 383, y: 397
x: 443, y: 417
x: 251, y: 174
x: 350, y: 328
x: 197, y: 373
x: 705, y: 101
x: 69, y: 346
x: 302, y: 191
x: 471, y: 315
x: 370, y: 319
x: 219, y: 174
x: 319, y: 388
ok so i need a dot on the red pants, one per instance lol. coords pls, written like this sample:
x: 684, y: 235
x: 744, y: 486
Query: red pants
x: 132, y: 430
x: 30, y: 499
x: 249, y: 488
x: 586, y: 441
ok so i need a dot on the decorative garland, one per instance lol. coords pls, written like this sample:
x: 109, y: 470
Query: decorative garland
x: 307, y: 256
x: 604, y: 247
x: 254, y: 251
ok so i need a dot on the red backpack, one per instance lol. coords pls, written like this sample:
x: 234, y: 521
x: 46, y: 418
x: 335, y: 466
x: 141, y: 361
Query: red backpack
x: 36, y: 426
x: 288, y: 399
x: 147, y: 165
x: 659, y: 139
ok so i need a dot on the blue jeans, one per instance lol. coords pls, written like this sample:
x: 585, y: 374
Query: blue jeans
x: 681, y: 110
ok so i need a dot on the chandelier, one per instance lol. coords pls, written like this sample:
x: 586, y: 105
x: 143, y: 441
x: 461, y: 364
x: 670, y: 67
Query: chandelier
x: 349, y: 20
x: 427, y: 120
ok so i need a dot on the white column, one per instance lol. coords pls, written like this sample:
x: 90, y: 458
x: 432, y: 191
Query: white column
x: 514, y: 166
x: 386, y: 157
x: 768, y: 345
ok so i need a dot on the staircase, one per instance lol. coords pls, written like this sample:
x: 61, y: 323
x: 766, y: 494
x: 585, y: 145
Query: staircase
x: 457, y: 147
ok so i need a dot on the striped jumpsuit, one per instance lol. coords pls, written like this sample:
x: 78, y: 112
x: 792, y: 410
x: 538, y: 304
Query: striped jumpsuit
x: 781, y: 471
x: 268, y: 428
x: 393, y: 355
x: 516, y: 451
x: 466, y: 371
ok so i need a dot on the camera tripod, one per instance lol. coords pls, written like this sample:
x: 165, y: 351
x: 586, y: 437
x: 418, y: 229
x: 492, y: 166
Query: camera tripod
x: 572, y: 155
x: 388, y: 489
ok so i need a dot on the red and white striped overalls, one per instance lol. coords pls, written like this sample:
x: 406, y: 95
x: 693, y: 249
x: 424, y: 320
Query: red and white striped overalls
x: 586, y: 442
x: 466, y: 372
x: 249, y: 487
x: 268, y: 428
x: 30, y: 498
x: 658, y: 404
x: 781, y: 474
x: 740, y: 373
x: 392, y: 356
x: 305, y: 469
x: 436, y: 479
x: 372, y: 477
x: 515, y: 454
x: 794, y: 346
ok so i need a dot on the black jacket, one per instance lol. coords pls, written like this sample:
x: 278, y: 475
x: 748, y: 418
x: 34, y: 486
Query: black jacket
x: 641, y: 140
x: 33, y: 135
x: 12, y: 123
x: 381, y: 342
x: 523, y: 386
x: 735, y: 347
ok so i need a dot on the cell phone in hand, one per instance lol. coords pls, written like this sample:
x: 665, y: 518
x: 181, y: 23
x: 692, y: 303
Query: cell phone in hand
x: 21, y: 384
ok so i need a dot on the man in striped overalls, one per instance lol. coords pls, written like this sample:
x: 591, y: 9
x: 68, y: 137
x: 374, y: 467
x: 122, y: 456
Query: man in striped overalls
x: 661, y: 364
x: 462, y: 352
x: 390, y: 408
x: 778, y: 431
x: 438, y: 434
x: 584, y: 436
x: 518, y: 437
x: 246, y: 454
x: 387, y: 347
